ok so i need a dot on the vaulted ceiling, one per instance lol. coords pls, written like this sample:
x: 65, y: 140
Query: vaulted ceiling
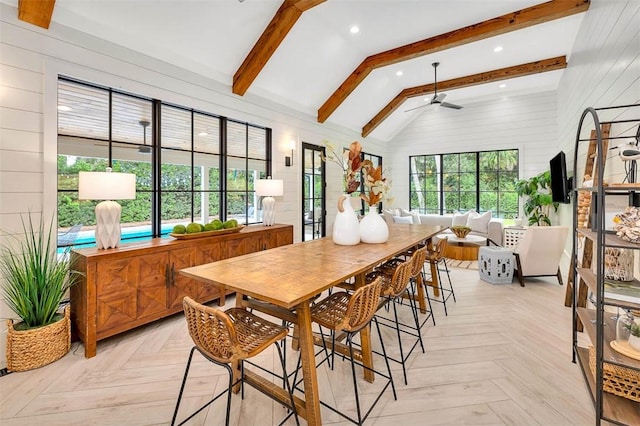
x: 302, y: 53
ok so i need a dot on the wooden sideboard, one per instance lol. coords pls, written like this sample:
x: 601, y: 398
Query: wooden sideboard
x: 137, y: 283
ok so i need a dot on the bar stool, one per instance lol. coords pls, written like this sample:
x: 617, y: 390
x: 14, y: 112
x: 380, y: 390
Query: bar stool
x: 224, y: 337
x: 436, y: 256
x: 417, y: 278
x: 399, y: 279
x: 350, y: 313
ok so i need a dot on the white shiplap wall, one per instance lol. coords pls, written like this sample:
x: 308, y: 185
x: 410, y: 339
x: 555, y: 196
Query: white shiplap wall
x: 604, y: 70
x: 525, y: 122
x: 30, y: 60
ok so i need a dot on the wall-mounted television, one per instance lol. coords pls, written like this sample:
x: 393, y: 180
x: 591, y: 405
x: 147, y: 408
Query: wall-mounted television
x: 560, y: 183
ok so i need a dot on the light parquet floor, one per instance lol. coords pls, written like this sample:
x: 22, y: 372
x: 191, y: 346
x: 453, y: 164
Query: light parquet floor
x: 501, y: 357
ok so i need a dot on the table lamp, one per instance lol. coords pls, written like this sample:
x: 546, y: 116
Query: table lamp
x: 269, y: 188
x: 107, y: 186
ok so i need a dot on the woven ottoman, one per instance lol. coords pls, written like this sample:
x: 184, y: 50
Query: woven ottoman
x: 495, y: 265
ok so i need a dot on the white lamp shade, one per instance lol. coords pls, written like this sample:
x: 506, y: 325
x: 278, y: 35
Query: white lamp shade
x: 106, y: 186
x: 269, y: 187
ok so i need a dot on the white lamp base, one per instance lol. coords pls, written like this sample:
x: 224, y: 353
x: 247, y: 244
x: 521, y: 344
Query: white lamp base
x: 108, y: 224
x: 269, y: 211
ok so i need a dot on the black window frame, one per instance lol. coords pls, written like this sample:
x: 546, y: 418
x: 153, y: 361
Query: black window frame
x: 156, y: 190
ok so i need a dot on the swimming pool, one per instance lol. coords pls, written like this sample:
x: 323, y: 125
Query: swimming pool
x: 87, y: 239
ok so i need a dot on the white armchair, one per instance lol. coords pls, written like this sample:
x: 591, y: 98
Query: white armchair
x: 539, y: 251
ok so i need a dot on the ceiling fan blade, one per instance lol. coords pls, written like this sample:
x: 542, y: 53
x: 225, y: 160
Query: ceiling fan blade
x: 448, y: 105
x: 437, y: 99
x: 418, y: 107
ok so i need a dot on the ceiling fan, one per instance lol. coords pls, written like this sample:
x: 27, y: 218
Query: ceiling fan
x: 144, y: 149
x: 437, y: 98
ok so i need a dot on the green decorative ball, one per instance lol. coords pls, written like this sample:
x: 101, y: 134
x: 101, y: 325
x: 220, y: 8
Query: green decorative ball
x: 217, y: 224
x: 193, y: 228
x: 179, y: 229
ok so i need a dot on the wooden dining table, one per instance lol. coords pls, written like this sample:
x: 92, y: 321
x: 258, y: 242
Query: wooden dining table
x: 286, y: 279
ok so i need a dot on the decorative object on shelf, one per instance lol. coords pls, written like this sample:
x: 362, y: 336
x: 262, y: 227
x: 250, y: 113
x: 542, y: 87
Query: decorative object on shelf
x: 618, y: 380
x: 539, y: 200
x: 623, y: 347
x: 460, y: 231
x: 618, y: 264
x: 346, y: 228
x: 634, y: 335
x: 623, y: 325
x: 373, y: 227
x: 36, y: 281
x: 584, y: 203
x: 269, y: 188
x: 107, y: 186
x: 627, y: 224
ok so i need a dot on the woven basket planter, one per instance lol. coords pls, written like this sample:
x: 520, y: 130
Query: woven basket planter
x: 37, y: 347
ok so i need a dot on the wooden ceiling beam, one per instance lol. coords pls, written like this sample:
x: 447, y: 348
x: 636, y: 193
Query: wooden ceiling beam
x: 530, y: 68
x: 36, y: 12
x: 551, y: 10
x: 280, y: 25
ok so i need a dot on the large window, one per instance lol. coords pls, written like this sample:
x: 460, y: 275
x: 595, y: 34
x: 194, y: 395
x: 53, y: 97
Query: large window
x: 177, y: 154
x: 482, y: 181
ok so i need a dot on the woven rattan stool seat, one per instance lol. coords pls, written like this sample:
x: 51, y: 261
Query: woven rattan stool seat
x: 231, y: 335
x: 351, y: 313
x: 226, y: 337
x: 348, y: 312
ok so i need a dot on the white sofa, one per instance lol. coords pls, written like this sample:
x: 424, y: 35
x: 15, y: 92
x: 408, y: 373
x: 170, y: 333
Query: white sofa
x: 493, y: 231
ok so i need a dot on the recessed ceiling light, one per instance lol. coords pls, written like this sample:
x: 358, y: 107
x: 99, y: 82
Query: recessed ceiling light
x: 399, y: 73
x: 354, y: 29
x: 427, y: 99
x: 64, y: 108
x: 498, y: 49
x: 203, y: 134
x: 502, y: 86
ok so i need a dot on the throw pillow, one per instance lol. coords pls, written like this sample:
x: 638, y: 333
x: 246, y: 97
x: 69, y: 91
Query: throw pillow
x: 416, y: 218
x: 388, y: 215
x: 479, y: 222
x: 460, y: 219
x: 403, y: 219
x: 414, y: 215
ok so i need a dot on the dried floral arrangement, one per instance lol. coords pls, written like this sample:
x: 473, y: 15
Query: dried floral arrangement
x: 379, y: 187
x: 349, y: 161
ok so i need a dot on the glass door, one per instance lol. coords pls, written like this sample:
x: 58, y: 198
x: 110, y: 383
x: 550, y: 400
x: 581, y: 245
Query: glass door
x: 313, y: 192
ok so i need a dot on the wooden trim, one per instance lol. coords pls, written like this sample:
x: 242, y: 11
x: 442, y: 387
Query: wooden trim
x: 36, y: 12
x: 280, y: 25
x: 551, y: 64
x: 512, y: 21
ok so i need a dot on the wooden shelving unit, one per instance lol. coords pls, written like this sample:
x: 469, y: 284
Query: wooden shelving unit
x: 599, y: 321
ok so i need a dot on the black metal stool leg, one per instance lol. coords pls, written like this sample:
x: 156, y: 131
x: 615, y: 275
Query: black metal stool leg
x: 283, y: 362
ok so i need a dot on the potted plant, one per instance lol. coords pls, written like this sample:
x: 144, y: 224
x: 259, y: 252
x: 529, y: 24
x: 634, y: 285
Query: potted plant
x: 539, y: 200
x: 36, y: 281
x: 634, y: 335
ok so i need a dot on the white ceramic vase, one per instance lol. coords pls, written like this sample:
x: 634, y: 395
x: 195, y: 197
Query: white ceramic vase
x: 346, y: 229
x: 373, y: 228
